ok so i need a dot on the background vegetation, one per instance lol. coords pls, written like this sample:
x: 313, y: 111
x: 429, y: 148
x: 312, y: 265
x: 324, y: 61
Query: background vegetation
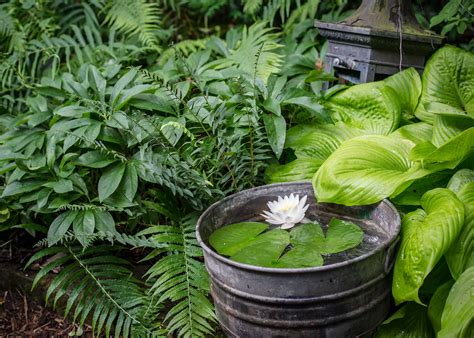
x: 121, y: 121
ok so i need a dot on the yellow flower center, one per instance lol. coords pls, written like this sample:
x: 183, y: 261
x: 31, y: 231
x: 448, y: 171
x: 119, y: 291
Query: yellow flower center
x: 286, y: 206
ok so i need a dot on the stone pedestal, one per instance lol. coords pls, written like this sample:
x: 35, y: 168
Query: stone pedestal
x: 378, y: 40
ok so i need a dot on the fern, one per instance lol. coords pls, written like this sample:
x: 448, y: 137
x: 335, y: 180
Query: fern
x: 7, y: 25
x: 252, y: 6
x: 135, y: 17
x: 185, y: 47
x: 256, y: 51
x: 96, y: 283
x: 179, y: 276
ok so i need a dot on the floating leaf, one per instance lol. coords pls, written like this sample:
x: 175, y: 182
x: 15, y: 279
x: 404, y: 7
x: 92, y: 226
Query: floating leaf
x: 265, y: 249
x: 300, y: 256
x: 230, y: 239
x: 340, y: 236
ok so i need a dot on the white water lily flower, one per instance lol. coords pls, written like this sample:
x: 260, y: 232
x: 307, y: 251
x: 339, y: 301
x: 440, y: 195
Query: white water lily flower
x: 286, y: 211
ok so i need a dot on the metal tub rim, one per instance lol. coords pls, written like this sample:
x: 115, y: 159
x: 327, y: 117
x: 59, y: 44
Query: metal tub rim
x: 388, y: 244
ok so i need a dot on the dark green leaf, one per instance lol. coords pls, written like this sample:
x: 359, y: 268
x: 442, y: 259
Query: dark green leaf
x: 71, y: 111
x: 130, y: 182
x: 410, y: 321
x: 16, y: 187
x: 123, y: 82
x: 104, y: 221
x: 437, y: 302
x: 84, y: 225
x: 94, y: 159
x: 62, y: 186
x: 60, y: 226
x: 110, y: 180
x: 276, y: 132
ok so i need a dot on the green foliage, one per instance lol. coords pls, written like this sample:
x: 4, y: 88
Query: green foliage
x: 456, y: 320
x: 409, y: 321
x: 179, y: 277
x: 135, y: 17
x: 456, y: 16
x: 250, y: 243
x: 427, y: 235
x: 96, y: 283
x: 107, y: 130
x: 117, y: 116
x: 412, y: 165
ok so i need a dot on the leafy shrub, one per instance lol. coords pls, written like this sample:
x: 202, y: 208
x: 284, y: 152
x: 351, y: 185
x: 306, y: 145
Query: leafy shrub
x: 121, y: 120
x: 111, y: 141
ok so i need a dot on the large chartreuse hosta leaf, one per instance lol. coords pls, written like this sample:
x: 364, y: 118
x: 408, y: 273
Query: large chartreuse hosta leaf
x: 448, y: 84
x: 373, y: 106
x: 320, y: 141
x: 415, y: 132
x: 312, y: 145
x: 448, y: 155
x: 426, y: 235
x: 297, y: 170
x: 365, y: 170
x: 407, y: 85
x: 447, y: 127
x: 457, y: 320
x: 460, y: 255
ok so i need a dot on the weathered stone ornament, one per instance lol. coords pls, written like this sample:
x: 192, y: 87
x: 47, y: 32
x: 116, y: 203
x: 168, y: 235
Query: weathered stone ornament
x: 379, y: 39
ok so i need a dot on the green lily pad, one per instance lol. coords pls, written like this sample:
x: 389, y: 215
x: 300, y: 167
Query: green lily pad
x: 307, y: 234
x: 265, y: 249
x: 301, y: 256
x: 230, y: 239
x: 340, y: 236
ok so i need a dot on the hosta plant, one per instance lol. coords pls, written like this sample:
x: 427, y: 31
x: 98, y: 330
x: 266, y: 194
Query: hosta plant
x: 423, y: 165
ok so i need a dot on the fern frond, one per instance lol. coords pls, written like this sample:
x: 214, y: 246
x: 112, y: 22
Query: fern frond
x: 7, y: 25
x: 135, y: 241
x: 252, y: 6
x: 96, y: 283
x: 256, y: 51
x: 184, y: 47
x: 135, y: 17
x: 180, y: 277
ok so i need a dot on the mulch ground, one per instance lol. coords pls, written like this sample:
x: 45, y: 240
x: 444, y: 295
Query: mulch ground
x: 22, y: 317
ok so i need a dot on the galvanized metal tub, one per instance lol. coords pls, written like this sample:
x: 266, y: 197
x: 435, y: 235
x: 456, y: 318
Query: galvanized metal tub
x: 344, y: 299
